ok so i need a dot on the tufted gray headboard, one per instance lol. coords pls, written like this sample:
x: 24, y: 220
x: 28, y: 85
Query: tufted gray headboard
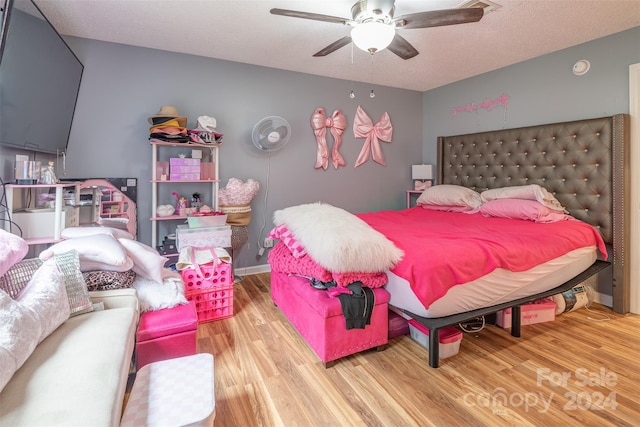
x: 583, y: 163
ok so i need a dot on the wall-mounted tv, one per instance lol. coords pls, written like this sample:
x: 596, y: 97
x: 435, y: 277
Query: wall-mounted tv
x: 39, y: 81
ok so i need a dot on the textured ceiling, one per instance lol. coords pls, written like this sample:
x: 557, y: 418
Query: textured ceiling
x: 245, y: 31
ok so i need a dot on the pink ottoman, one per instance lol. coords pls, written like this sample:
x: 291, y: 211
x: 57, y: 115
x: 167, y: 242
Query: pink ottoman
x: 320, y: 321
x: 166, y: 334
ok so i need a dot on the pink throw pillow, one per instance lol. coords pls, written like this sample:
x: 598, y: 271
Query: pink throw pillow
x: 12, y: 249
x: 282, y: 233
x: 530, y: 210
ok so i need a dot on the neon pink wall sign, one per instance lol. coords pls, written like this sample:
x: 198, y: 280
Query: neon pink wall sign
x: 487, y: 104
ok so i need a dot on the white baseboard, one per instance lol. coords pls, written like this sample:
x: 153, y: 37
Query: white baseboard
x: 256, y: 269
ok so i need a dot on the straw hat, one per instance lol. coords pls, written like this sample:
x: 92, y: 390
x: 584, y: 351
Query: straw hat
x: 167, y: 113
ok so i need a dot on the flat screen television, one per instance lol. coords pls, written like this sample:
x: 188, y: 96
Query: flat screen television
x: 39, y: 81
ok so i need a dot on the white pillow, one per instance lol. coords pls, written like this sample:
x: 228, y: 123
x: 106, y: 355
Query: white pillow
x: 526, y: 192
x: 146, y: 260
x: 154, y: 295
x: 97, y: 252
x: 448, y: 197
x: 40, y: 308
x: 75, y: 232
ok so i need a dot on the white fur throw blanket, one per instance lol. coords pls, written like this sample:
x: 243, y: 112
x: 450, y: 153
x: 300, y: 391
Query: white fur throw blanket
x: 338, y: 240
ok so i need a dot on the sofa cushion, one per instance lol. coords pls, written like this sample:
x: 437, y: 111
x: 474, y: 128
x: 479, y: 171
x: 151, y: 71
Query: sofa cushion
x: 76, y: 376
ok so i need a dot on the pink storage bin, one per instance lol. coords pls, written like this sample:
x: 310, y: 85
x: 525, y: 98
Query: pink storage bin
x: 184, y: 161
x: 537, y: 312
x: 185, y: 169
x: 398, y: 325
x: 185, y: 176
x: 450, y: 338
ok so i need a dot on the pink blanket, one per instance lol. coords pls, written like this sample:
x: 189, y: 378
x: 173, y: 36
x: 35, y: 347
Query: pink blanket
x: 282, y: 260
x: 443, y: 249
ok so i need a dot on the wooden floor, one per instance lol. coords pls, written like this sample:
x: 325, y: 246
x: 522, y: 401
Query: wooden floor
x: 574, y: 371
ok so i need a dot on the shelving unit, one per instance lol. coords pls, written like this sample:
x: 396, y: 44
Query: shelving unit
x: 156, y: 182
x: 58, y: 224
x: 112, y: 208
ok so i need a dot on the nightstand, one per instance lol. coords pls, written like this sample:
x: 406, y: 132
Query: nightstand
x: 410, y: 195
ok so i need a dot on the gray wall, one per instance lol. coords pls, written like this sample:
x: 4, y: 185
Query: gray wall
x: 541, y: 90
x: 123, y: 85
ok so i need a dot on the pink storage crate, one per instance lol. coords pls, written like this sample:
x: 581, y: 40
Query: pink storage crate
x: 220, y: 276
x: 537, y: 312
x: 213, y: 303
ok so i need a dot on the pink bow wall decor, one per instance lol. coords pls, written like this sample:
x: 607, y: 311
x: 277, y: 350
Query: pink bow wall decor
x: 337, y: 123
x: 363, y: 127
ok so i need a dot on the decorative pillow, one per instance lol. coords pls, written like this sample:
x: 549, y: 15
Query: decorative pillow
x: 97, y: 252
x: 526, y: 192
x: 19, y: 275
x: 75, y: 232
x: 40, y: 308
x: 69, y: 265
x: 106, y: 280
x: 281, y: 232
x: 146, y: 260
x: 12, y: 249
x: 522, y: 209
x: 453, y: 198
x: 155, y: 296
x: 338, y: 240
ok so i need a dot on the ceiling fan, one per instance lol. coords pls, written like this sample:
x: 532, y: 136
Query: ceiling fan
x: 374, y: 27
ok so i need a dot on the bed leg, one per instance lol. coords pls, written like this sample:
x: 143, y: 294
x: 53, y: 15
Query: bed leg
x: 434, y: 347
x: 516, y: 321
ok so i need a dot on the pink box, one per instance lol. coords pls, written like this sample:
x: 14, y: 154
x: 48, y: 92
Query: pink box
x: 207, y: 170
x: 162, y: 168
x: 184, y: 161
x: 204, y: 236
x: 537, y: 312
x: 185, y: 169
x: 184, y: 177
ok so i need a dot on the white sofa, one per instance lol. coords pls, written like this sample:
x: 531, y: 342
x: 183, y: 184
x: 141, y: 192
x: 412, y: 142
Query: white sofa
x: 77, y: 375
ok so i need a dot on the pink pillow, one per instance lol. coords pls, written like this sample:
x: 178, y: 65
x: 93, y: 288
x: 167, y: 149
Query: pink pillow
x: 530, y: 210
x: 12, y: 249
x: 281, y: 232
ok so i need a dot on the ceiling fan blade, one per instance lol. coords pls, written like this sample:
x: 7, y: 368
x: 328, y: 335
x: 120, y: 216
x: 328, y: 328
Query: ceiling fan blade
x: 308, y: 15
x: 401, y: 47
x: 334, y: 46
x: 438, y: 18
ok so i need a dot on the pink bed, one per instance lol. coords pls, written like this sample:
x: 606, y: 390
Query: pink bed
x: 445, y: 249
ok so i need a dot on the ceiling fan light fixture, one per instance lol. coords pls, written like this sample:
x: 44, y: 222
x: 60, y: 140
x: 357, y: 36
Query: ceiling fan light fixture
x: 372, y: 36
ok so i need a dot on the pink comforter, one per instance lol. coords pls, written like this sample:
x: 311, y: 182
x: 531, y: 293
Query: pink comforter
x: 443, y: 249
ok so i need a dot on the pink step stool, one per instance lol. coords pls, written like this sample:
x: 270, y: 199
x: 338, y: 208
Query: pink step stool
x: 166, y: 334
x: 320, y: 321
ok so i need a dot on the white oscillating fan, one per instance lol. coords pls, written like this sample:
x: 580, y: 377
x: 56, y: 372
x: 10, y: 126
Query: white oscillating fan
x: 271, y: 133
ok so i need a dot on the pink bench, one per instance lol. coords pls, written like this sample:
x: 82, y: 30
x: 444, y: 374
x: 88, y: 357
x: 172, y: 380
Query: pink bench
x: 320, y: 321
